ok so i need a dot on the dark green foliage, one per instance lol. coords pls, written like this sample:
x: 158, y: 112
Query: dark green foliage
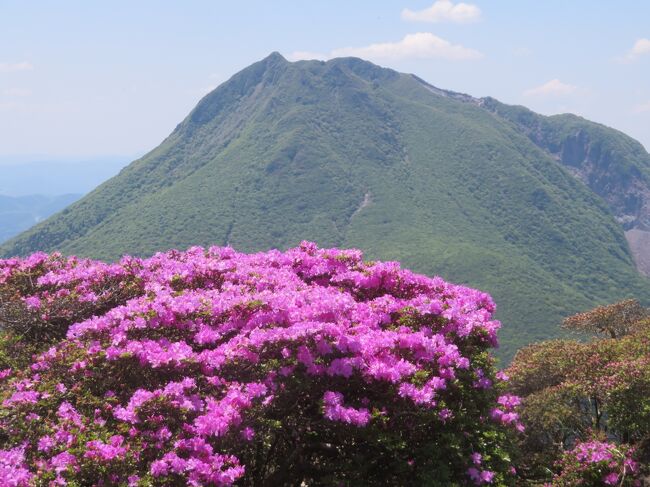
x: 348, y: 154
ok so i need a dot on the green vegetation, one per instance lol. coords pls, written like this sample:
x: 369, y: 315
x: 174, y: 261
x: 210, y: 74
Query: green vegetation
x: 613, y: 165
x: 587, y: 404
x: 348, y: 154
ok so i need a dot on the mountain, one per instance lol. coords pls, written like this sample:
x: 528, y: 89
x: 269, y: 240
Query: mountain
x: 614, y: 166
x: 531, y: 209
x: 17, y: 214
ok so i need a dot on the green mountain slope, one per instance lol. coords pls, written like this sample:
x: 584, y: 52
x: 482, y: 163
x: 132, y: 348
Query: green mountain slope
x: 613, y: 165
x: 349, y: 154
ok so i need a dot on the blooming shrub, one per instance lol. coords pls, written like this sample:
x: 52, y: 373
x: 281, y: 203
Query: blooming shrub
x: 571, y: 391
x: 210, y: 367
x: 614, y: 320
x: 42, y: 295
x: 596, y: 463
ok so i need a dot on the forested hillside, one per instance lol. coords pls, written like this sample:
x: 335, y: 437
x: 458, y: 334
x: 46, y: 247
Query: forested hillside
x: 349, y: 154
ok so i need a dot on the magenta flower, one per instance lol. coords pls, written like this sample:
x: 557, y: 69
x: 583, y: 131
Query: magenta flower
x: 173, y: 363
x: 13, y: 471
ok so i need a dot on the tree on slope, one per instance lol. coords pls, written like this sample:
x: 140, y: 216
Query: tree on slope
x: 584, y: 401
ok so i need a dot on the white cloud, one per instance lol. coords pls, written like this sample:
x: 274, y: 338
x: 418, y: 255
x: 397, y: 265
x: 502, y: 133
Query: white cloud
x: 13, y: 67
x: 306, y: 56
x: 553, y: 88
x: 444, y: 11
x: 641, y: 47
x: 422, y: 45
x: 15, y: 92
x: 642, y: 108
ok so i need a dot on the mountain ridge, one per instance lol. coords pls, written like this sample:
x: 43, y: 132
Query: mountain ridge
x: 347, y: 153
x: 589, y: 157
x: 629, y: 199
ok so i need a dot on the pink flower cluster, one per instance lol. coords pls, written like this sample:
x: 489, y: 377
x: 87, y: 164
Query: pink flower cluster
x: 185, y: 366
x: 598, y: 461
x: 13, y: 470
x: 505, y: 411
x: 477, y: 474
x: 199, y: 465
x: 60, y: 276
x: 335, y: 411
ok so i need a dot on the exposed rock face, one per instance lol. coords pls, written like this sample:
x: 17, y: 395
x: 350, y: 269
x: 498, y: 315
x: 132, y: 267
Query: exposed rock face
x: 614, y: 166
x: 639, y: 241
x: 626, y: 191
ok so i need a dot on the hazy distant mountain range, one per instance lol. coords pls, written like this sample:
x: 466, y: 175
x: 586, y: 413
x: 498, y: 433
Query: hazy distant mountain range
x: 33, y: 188
x: 18, y: 213
x: 533, y: 209
x: 23, y: 176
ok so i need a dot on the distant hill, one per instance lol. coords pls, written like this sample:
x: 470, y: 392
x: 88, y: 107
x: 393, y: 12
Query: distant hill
x: 24, y: 176
x: 17, y: 214
x: 532, y: 209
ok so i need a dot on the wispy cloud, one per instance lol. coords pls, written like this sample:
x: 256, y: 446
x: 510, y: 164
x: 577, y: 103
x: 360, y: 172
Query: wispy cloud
x: 421, y: 45
x: 13, y: 67
x: 642, y: 108
x: 444, y: 11
x: 552, y: 88
x: 213, y: 81
x: 306, y: 55
x: 640, y: 48
x: 16, y: 92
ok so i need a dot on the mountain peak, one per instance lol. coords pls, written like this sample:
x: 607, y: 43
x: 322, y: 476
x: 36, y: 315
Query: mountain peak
x: 275, y: 57
x: 363, y: 69
x: 349, y: 154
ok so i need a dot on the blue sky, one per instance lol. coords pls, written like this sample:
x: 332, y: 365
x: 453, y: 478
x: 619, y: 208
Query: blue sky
x: 94, y: 79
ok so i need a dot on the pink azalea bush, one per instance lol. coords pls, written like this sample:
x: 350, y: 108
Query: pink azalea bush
x: 598, y: 463
x: 210, y: 367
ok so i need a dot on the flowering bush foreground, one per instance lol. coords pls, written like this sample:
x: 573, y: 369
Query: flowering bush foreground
x: 597, y: 463
x: 210, y: 367
x: 581, y: 397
